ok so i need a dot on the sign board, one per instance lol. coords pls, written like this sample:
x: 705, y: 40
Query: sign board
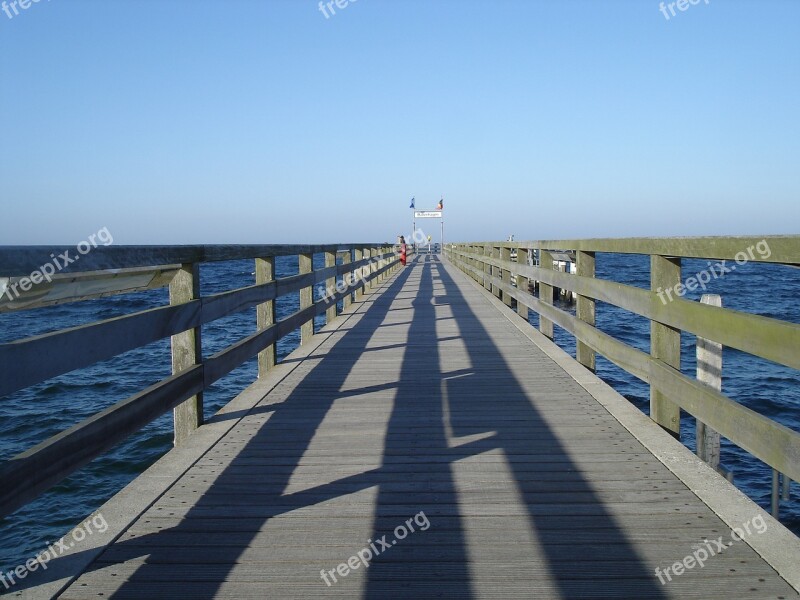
x: 427, y: 214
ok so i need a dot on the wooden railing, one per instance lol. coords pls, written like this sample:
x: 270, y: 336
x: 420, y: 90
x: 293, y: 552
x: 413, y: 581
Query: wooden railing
x: 118, y: 269
x: 490, y: 264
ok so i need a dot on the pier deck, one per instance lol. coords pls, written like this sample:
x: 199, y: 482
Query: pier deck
x: 427, y: 406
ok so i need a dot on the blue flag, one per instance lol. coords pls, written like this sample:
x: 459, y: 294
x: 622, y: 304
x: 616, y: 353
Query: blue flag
x: 412, y: 203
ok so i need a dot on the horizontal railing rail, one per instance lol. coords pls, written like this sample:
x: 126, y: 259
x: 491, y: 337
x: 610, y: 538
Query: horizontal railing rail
x: 490, y: 264
x: 349, y: 271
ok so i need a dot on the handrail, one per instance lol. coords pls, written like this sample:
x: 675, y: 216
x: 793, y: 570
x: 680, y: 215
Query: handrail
x: 490, y: 264
x: 29, y: 361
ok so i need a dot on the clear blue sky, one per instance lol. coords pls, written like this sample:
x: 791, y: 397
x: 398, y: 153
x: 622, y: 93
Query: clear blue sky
x: 263, y: 121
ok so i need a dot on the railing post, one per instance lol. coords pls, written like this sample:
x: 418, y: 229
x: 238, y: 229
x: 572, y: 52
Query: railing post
x: 384, y: 262
x: 358, y: 274
x: 496, y: 272
x: 665, y: 343
x: 330, y: 286
x: 487, y: 268
x: 522, y: 282
x: 505, y: 256
x: 347, y: 277
x: 186, y: 351
x: 472, y: 261
x: 306, y: 264
x: 265, y: 313
x: 585, y: 309
x: 373, y: 282
x: 545, y: 292
x: 709, y: 371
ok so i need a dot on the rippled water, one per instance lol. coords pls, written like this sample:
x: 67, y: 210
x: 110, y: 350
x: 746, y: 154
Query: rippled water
x: 31, y: 416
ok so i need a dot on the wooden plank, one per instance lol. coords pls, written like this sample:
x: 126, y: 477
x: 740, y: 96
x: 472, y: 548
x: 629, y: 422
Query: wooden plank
x: 27, y: 475
x: 765, y: 337
x: 22, y: 364
x: 774, y: 249
x: 20, y: 261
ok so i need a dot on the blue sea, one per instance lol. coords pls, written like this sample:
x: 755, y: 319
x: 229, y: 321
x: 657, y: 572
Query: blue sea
x: 33, y: 415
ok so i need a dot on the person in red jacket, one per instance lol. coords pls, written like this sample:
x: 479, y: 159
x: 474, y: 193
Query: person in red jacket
x: 403, y: 250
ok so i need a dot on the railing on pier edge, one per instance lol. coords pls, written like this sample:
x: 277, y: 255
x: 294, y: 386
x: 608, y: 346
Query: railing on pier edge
x: 491, y: 265
x: 118, y: 269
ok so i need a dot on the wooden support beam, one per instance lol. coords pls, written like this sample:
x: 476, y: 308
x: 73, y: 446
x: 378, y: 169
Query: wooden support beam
x: 665, y: 343
x: 709, y: 371
x: 522, y: 281
x: 357, y: 273
x: 347, y: 277
x: 487, y: 268
x: 306, y: 264
x: 265, y: 314
x: 496, y: 271
x: 505, y: 256
x: 585, y: 309
x: 545, y: 292
x: 330, y: 286
x: 186, y: 352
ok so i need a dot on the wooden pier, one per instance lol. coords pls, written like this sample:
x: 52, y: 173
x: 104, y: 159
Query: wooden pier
x: 428, y: 415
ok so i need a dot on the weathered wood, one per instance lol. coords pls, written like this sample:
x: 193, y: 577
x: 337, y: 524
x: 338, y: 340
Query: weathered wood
x: 505, y: 256
x: 347, y: 300
x: 783, y: 249
x: 760, y: 336
x: 28, y: 475
x: 21, y: 363
x: 665, y: 343
x: 585, y: 309
x: 306, y: 265
x: 330, y: 286
x: 265, y: 314
x: 186, y: 352
x: 709, y: 371
x: 21, y: 293
x: 545, y: 292
x: 358, y: 273
x: 771, y: 442
x: 765, y: 439
x: 527, y: 486
x: 523, y: 282
x: 23, y: 260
